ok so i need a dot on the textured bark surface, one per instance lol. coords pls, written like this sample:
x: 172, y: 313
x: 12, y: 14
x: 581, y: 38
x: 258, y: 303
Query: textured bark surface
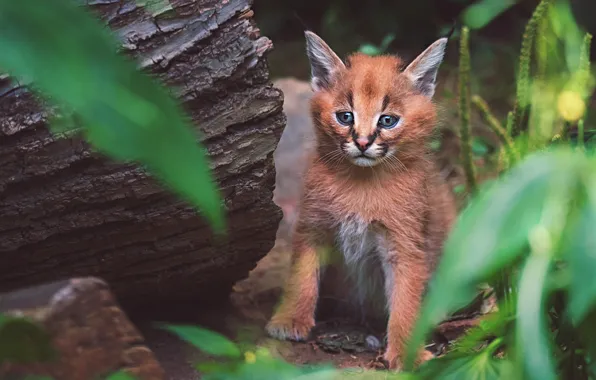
x: 90, y: 334
x: 65, y: 211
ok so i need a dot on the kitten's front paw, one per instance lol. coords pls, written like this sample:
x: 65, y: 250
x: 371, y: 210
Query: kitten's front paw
x: 284, y: 328
x: 394, y: 360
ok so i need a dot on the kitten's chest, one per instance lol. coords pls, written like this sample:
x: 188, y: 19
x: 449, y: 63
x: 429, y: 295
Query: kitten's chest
x: 357, y: 238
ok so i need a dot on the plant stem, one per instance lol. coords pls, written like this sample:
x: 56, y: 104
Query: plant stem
x: 580, y: 134
x: 464, y: 111
x: 494, y: 345
x: 497, y: 128
x: 523, y: 81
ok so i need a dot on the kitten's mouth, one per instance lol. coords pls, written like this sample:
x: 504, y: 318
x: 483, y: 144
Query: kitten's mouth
x: 364, y: 161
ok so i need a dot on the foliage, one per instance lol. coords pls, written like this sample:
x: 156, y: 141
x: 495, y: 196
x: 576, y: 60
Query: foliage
x: 482, y: 12
x: 371, y: 49
x: 23, y: 341
x: 527, y: 232
x: 208, y: 341
x: 230, y: 363
x: 523, y: 80
x: 71, y: 60
x: 121, y: 375
x: 482, y: 365
x: 259, y: 363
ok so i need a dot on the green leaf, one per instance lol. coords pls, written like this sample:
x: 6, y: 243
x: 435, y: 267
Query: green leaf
x: 23, y: 341
x: 479, y: 147
x: 492, y: 233
x: 369, y: 49
x: 435, y: 145
x: 71, y: 59
x: 458, y: 189
x: 581, y: 250
x: 459, y: 366
x: 483, y: 12
x: 389, y: 38
x: 264, y: 368
x: 205, y: 340
x: 364, y: 374
x: 531, y: 330
x: 216, y: 368
x: 120, y: 375
x: 490, y: 325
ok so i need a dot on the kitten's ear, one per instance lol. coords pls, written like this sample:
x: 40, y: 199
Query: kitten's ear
x: 324, y: 63
x: 423, y: 70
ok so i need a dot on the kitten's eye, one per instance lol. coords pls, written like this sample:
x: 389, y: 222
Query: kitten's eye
x: 345, y: 118
x: 388, y: 121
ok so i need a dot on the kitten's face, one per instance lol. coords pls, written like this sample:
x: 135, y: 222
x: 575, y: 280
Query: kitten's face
x: 369, y: 109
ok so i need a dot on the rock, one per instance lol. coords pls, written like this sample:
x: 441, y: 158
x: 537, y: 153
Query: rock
x: 292, y: 152
x: 373, y: 343
x: 89, y: 332
x: 264, y: 284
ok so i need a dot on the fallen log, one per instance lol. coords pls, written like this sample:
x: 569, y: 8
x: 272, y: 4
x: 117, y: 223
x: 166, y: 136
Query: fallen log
x: 66, y: 211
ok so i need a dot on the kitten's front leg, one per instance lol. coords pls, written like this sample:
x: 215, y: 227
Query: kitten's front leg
x: 407, y: 274
x: 295, y: 316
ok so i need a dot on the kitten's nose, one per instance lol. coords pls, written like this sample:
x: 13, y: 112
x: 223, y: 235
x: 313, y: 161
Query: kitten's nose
x: 363, y: 142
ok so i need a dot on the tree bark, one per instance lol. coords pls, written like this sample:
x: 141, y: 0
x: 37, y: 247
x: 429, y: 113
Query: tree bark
x: 66, y: 211
x: 90, y: 335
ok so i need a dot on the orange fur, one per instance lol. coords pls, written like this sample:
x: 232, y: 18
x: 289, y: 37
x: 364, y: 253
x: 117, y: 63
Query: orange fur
x: 402, y: 201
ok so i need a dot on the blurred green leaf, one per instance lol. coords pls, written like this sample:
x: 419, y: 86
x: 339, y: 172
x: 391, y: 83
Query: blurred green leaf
x: 435, y: 144
x: 483, y: 12
x: 462, y: 366
x: 387, y: 40
x: 564, y: 26
x: 23, y: 341
x: 581, y: 251
x: 479, y: 147
x: 369, y: 49
x: 458, y: 189
x: 491, y: 325
x: 205, y: 340
x: 264, y: 368
x: 532, y: 344
x: 120, y: 375
x: 71, y: 59
x: 217, y: 370
x: 491, y: 233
